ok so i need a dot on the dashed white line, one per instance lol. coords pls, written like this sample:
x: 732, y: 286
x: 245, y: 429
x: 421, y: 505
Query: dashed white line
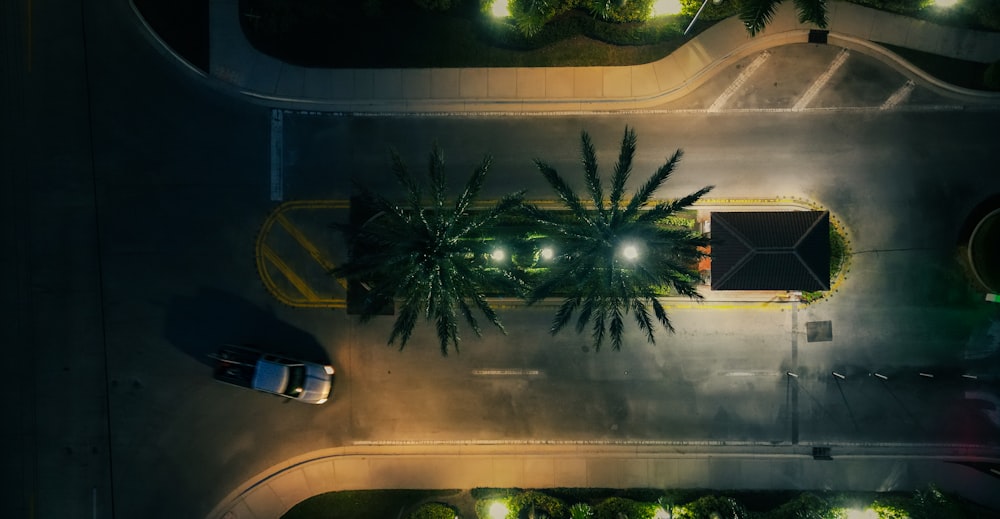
x: 506, y: 372
x: 821, y: 81
x: 738, y: 82
x: 277, y: 155
x: 899, y: 95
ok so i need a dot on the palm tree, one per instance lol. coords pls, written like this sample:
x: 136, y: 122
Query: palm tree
x: 616, y: 256
x: 756, y: 14
x: 428, y: 255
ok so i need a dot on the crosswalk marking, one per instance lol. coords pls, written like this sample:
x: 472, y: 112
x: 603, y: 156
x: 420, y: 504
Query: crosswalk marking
x: 821, y: 81
x: 899, y: 95
x: 738, y: 82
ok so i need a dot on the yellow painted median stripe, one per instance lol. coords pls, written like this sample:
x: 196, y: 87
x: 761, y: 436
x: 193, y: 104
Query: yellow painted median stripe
x: 308, y: 246
x: 289, y: 274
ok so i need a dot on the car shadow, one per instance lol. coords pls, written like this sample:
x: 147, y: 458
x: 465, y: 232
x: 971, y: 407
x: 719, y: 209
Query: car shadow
x: 199, y: 325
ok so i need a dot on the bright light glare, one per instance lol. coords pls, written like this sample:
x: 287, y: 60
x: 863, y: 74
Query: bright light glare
x: 661, y: 7
x: 945, y: 3
x: 500, y: 9
x: 662, y: 514
x: 547, y: 253
x: 498, y: 255
x: 630, y: 252
x: 498, y: 510
x: 867, y: 513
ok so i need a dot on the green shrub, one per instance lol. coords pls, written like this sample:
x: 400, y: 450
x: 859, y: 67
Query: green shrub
x: 620, y: 11
x: 433, y: 511
x: 581, y: 511
x: 805, y: 505
x: 552, y: 507
x: 712, y: 11
x: 705, y: 506
x: 611, y: 507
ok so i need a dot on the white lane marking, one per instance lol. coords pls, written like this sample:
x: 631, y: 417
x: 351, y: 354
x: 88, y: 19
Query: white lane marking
x: 738, y: 82
x: 506, y: 372
x: 277, y: 155
x: 899, y: 95
x: 821, y: 81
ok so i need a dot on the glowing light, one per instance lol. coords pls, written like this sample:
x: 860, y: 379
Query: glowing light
x: 547, y: 253
x: 630, y: 252
x: 498, y: 254
x: 945, y: 3
x: 500, y: 9
x: 662, y: 514
x: 867, y: 513
x: 661, y: 7
x: 498, y: 510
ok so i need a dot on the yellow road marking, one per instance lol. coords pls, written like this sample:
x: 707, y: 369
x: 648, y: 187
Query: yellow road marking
x: 308, y: 246
x: 292, y: 277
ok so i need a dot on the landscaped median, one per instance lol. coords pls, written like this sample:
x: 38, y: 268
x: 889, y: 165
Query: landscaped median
x: 296, y: 249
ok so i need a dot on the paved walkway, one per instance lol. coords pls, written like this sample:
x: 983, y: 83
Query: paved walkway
x: 610, y: 465
x: 575, y: 89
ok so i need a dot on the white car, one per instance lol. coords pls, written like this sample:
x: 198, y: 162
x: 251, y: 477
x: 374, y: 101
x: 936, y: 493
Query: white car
x: 304, y: 381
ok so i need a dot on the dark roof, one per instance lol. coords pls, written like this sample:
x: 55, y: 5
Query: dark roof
x: 782, y: 250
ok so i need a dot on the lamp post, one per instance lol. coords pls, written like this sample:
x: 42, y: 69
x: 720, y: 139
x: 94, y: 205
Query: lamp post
x: 700, y: 9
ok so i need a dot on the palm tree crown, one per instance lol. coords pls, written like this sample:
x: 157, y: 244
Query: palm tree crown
x: 616, y: 255
x: 427, y: 254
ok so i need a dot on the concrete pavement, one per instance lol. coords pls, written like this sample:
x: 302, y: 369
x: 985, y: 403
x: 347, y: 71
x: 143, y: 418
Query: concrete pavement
x: 640, y: 464
x: 573, y: 89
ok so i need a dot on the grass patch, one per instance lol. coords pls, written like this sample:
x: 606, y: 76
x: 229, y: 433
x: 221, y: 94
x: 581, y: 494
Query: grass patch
x: 362, y: 504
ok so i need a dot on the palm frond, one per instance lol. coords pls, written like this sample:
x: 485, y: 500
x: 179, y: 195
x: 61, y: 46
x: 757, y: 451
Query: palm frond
x: 564, y: 314
x: 661, y: 315
x: 641, y: 314
x: 565, y: 193
x: 756, y: 14
x: 414, y: 195
x: 623, y: 168
x: 598, y: 328
x: 590, y: 172
x: 644, y: 193
x: 812, y: 11
x: 435, y: 173
x: 403, y: 327
x: 473, y: 186
x: 617, y: 327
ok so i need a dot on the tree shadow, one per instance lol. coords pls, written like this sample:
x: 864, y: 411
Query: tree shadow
x: 199, y: 325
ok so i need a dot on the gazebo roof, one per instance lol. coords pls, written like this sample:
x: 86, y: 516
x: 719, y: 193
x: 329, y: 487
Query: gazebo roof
x: 780, y: 250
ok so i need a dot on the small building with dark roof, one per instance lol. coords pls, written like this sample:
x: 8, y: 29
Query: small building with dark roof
x: 775, y: 250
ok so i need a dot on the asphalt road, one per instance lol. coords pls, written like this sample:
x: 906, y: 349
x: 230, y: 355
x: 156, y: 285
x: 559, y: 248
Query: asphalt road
x: 144, y: 187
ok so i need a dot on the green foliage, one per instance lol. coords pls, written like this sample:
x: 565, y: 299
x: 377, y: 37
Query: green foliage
x: 426, y: 254
x: 712, y: 11
x: 552, y: 507
x: 806, y: 505
x: 704, y: 507
x: 889, y: 508
x: 896, y: 6
x: 620, y: 11
x: 433, y: 511
x: 531, y: 15
x: 615, y: 507
x: 435, y: 5
x: 581, y: 511
x: 601, y: 282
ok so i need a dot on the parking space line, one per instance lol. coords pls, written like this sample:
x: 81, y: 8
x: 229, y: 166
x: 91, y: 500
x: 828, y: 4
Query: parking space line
x: 899, y: 95
x: 821, y: 81
x: 738, y: 82
x: 289, y: 274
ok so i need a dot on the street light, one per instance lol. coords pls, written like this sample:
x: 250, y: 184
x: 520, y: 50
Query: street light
x: 703, y: 4
x: 498, y: 254
x: 498, y: 510
x: 630, y: 252
x: 500, y: 8
x: 547, y: 253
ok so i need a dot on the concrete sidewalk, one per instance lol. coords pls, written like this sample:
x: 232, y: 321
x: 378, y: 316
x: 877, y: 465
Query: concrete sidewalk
x: 623, y: 464
x: 573, y: 89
